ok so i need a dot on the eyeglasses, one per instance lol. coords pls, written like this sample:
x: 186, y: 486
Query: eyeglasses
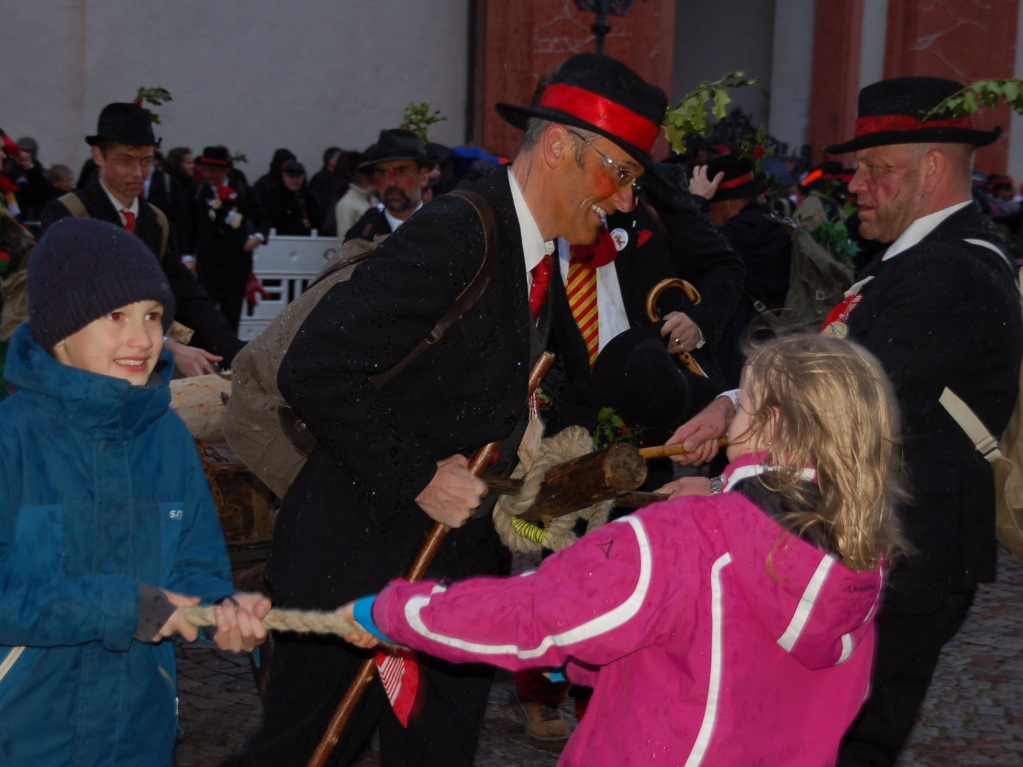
x: 623, y: 178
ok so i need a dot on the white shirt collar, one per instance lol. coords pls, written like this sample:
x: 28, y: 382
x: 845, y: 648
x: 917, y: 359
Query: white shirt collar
x: 396, y: 222
x: 919, y: 229
x: 133, y: 209
x: 533, y: 246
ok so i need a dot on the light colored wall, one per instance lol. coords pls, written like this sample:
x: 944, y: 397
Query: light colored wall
x: 714, y: 37
x: 792, y: 72
x: 252, y: 74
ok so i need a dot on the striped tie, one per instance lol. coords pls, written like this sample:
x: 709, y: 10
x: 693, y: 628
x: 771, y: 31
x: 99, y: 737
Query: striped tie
x: 581, y: 287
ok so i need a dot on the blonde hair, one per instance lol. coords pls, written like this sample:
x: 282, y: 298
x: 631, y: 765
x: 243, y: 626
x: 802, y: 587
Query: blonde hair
x: 826, y: 402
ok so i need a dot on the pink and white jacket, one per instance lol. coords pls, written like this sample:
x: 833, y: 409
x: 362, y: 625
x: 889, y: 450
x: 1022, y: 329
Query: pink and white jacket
x: 710, y: 635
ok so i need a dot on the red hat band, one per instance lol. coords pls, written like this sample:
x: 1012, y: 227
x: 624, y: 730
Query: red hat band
x: 745, y: 178
x: 603, y: 113
x: 883, y: 123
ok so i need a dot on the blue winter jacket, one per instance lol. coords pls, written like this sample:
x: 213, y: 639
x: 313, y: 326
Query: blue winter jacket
x: 101, y: 489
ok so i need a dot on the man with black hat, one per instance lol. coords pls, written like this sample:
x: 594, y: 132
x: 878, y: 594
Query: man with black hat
x: 398, y: 167
x: 123, y: 149
x: 940, y: 309
x: 730, y: 192
x: 227, y: 226
x: 390, y: 462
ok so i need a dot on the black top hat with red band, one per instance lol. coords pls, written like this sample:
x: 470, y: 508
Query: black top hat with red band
x: 214, y: 155
x: 739, y: 183
x: 602, y: 95
x: 125, y: 123
x: 892, y: 112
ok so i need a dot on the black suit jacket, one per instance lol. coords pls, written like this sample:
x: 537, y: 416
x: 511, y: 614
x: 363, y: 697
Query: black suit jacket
x: 194, y: 308
x: 218, y: 246
x: 349, y: 523
x: 372, y: 223
x: 694, y: 251
x: 945, y: 313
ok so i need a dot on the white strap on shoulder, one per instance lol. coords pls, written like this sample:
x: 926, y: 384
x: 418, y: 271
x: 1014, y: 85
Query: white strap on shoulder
x: 983, y: 440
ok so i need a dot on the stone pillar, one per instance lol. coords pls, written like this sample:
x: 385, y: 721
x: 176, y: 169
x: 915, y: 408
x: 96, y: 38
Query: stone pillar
x: 518, y: 42
x: 836, y: 73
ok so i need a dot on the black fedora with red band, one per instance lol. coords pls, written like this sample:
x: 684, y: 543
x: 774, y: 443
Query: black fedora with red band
x: 739, y: 182
x: 892, y: 112
x: 602, y: 95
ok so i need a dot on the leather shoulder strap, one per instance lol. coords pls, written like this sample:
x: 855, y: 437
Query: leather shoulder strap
x: 469, y: 295
x: 74, y: 205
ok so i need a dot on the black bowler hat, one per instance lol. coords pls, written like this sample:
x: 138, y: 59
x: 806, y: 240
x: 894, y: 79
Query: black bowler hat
x: 214, y: 155
x: 635, y: 375
x: 396, y: 144
x: 739, y: 183
x: 125, y: 123
x: 892, y: 111
x: 602, y: 95
x: 293, y: 168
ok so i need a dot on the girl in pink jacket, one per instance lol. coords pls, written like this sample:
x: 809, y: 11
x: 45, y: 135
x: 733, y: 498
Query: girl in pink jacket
x: 732, y: 629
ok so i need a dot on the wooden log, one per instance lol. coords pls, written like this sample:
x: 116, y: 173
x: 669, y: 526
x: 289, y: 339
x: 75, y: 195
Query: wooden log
x: 201, y: 402
x: 587, y: 480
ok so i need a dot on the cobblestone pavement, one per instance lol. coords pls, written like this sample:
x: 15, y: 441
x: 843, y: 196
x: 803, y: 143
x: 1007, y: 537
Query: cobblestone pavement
x: 973, y: 714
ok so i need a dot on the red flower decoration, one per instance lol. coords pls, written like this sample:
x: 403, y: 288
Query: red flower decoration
x: 226, y: 193
x: 758, y: 152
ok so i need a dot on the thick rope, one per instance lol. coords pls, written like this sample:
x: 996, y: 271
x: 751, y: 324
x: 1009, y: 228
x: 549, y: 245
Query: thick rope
x: 303, y: 621
x: 522, y: 536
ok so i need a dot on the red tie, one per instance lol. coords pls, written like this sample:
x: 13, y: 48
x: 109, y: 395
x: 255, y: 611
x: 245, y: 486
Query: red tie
x: 541, y: 280
x: 129, y: 221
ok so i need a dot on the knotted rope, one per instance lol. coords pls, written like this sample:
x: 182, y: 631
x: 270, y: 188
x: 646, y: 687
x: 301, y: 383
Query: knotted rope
x: 519, y: 535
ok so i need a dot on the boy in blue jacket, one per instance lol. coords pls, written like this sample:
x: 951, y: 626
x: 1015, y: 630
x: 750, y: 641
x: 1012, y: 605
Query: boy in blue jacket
x: 107, y: 525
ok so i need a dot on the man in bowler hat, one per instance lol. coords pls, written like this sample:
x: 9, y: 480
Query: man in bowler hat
x: 398, y: 167
x: 123, y: 149
x: 940, y: 309
x: 391, y: 462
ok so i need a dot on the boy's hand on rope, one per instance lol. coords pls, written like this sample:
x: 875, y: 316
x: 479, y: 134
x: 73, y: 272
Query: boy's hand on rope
x: 240, y: 625
x: 178, y: 623
x: 363, y: 639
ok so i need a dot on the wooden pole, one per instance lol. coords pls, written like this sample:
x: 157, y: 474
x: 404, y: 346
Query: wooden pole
x: 346, y: 708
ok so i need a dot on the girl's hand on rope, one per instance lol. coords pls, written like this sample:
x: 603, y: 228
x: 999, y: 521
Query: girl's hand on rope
x: 363, y: 639
x: 178, y: 623
x: 240, y: 622
x: 687, y: 486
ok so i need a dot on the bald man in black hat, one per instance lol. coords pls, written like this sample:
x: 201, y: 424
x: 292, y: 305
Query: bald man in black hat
x: 123, y: 148
x: 940, y: 309
x: 391, y: 462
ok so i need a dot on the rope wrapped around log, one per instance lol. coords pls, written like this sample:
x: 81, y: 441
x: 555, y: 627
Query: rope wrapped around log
x: 524, y: 537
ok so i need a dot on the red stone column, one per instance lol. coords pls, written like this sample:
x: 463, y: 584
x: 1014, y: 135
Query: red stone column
x: 960, y: 39
x: 836, y: 73
x: 518, y: 42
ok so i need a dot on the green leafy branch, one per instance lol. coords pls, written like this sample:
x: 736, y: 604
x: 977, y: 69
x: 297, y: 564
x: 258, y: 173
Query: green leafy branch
x: 755, y: 148
x: 154, y: 96
x: 692, y: 114
x: 611, y: 428
x: 833, y: 235
x: 418, y: 119
x: 988, y: 93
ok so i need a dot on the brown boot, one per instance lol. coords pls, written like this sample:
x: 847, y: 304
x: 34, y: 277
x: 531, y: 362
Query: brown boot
x: 544, y: 722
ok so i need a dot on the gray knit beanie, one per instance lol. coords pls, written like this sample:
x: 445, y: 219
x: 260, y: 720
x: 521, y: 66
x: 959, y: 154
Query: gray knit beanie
x: 82, y: 269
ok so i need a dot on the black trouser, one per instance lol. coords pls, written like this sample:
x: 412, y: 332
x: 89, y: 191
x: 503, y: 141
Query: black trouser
x: 908, y: 648
x: 308, y: 677
x: 227, y: 290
